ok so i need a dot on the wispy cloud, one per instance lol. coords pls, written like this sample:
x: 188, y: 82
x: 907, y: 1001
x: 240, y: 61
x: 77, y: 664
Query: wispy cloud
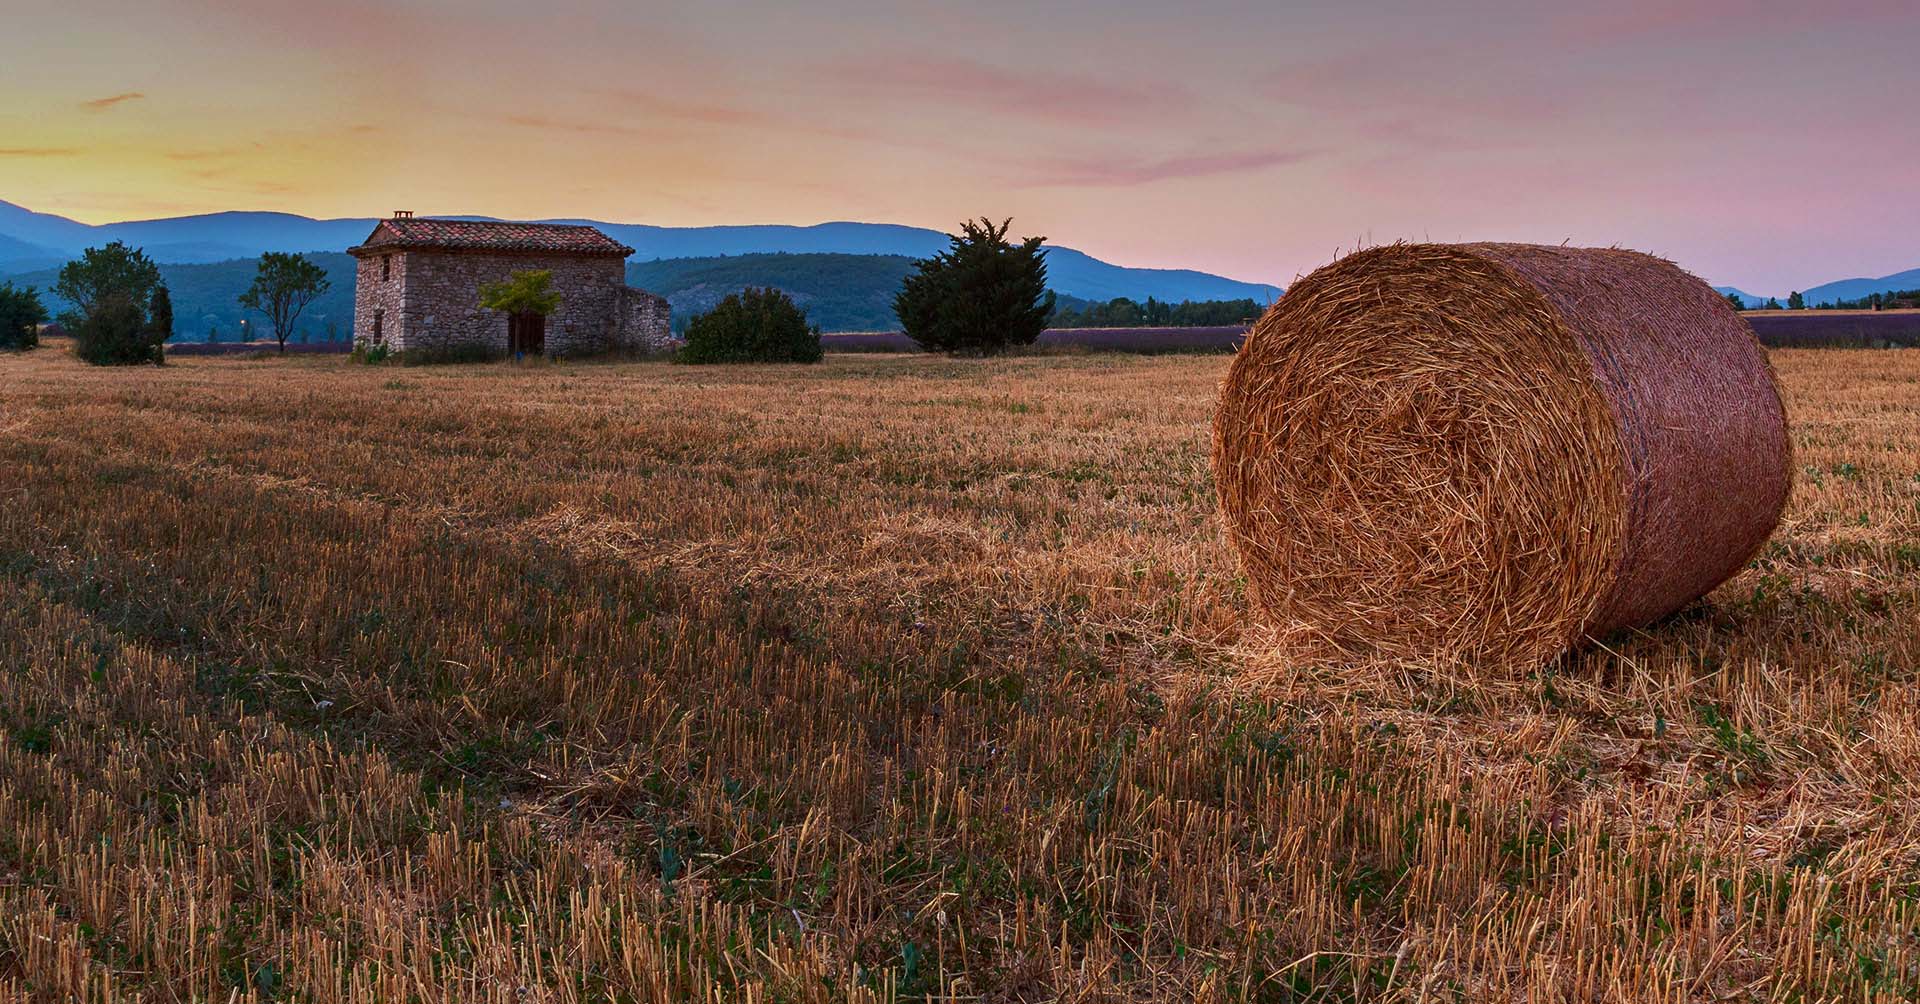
x: 1117, y: 172
x: 39, y: 151
x: 1042, y: 94
x: 102, y: 104
x: 568, y: 125
x: 657, y: 106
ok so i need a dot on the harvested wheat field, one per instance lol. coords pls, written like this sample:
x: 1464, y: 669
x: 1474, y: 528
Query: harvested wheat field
x: 883, y: 679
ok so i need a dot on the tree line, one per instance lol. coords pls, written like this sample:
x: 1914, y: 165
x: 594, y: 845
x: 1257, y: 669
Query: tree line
x: 1122, y: 312
x: 122, y: 311
x: 1890, y: 299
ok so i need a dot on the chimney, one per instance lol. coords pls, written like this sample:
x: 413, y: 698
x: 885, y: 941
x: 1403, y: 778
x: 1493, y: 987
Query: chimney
x: 403, y: 214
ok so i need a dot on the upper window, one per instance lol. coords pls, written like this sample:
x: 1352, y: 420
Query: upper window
x: 386, y: 267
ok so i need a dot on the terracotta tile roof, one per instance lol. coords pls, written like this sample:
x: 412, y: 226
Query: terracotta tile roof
x: 483, y: 235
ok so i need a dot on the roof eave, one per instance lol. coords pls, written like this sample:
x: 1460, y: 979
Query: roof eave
x: 363, y: 250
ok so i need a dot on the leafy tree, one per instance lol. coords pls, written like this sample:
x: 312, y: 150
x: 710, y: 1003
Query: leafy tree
x: 1795, y: 301
x: 21, y: 314
x: 99, y: 275
x: 160, y: 314
x: 752, y: 326
x: 529, y: 292
x: 116, y: 333
x: 1736, y: 301
x: 282, y: 288
x: 979, y: 296
x: 1773, y: 303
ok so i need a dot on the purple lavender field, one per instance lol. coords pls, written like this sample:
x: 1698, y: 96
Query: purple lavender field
x: 246, y: 348
x: 1836, y: 328
x: 1775, y: 328
x: 1143, y: 340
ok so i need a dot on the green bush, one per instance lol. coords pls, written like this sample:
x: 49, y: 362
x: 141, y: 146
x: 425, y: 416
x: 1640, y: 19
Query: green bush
x: 21, y: 313
x: 371, y: 355
x: 116, y: 333
x: 752, y: 326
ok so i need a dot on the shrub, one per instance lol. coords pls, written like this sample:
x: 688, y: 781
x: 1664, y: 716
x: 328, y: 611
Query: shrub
x: 979, y: 296
x: 752, y: 326
x: 371, y: 355
x: 116, y: 333
x: 21, y: 314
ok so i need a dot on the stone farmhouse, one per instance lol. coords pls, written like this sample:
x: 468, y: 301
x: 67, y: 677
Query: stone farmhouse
x: 418, y: 282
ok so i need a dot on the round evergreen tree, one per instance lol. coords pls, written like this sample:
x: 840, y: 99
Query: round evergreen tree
x: 979, y: 296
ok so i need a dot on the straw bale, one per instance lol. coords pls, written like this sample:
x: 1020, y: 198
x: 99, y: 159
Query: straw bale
x: 1494, y: 452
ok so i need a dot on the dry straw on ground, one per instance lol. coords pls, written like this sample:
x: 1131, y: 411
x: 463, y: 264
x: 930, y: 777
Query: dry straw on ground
x: 1494, y: 451
x: 887, y: 679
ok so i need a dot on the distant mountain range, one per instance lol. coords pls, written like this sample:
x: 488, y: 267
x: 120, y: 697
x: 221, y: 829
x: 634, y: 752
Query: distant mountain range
x: 691, y: 266
x: 30, y: 241
x: 1833, y: 292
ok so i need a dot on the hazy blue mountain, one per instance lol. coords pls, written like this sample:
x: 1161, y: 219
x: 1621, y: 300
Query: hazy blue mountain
x: 226, y: 236
x: 1749, y: 299
x: 44, y: 229
x: 1082, y: 275
x: 220, y: 237
x: 649, y: 242
x: 19, y: 256
x: 1854, y: 289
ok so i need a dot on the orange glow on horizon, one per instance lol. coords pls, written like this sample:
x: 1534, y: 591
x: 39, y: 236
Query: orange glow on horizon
x: 1252, y: 143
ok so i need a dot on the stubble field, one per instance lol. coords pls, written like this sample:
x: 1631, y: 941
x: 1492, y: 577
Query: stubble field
x: 888, y: 678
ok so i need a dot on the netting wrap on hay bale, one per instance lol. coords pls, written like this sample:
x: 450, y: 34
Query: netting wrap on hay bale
x: 1494, y: 451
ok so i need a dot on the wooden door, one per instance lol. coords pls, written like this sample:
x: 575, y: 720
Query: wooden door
x: 526, y: 334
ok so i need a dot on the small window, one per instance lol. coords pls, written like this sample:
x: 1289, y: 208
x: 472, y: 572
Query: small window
x: 378, y: 317
x: 386, y: 267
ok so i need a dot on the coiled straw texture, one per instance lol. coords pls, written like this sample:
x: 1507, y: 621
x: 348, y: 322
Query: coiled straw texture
x: 1494, y: 452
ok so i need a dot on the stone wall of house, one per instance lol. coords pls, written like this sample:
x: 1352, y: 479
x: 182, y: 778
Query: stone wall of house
x: 431, y: 300
x: 377, y: 286
x: 645, y: 321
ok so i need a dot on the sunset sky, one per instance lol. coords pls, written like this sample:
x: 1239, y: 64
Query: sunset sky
x: 1765, y: 145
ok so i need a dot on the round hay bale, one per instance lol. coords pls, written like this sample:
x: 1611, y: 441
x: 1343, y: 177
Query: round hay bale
x: 1493, y: 452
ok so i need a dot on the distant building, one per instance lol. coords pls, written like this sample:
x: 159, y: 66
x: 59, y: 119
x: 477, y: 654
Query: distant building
x: 418, y: 287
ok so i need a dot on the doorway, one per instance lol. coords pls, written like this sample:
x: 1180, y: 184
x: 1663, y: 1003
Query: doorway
x: 526, y: 333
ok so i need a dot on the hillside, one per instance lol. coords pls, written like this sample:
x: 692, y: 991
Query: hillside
x: 219, y: 237
x: 840, y: 292
x: 1854, y: 289
x: 1752, y: 301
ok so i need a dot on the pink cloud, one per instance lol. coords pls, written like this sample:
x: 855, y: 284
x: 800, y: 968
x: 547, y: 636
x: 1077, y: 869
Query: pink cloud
x: 1033, y: 93
x: 688, y: 111
x: 1094, y: 172
x: 102, y: 104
